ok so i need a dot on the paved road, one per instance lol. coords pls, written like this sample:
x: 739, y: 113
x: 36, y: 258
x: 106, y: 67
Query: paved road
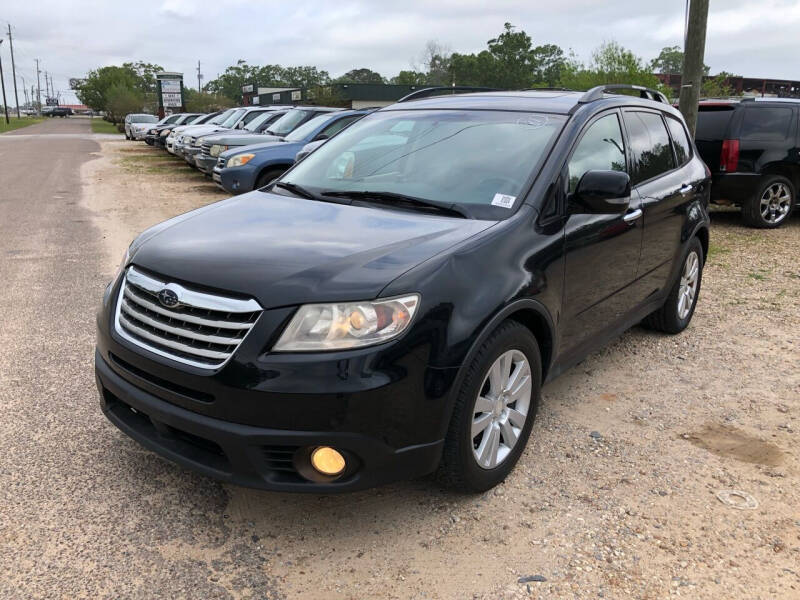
x: 70, y: 525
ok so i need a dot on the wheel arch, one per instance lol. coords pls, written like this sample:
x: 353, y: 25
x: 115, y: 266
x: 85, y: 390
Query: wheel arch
x: 787, y: 170
x: 530, y: 313
x: 272, y: 166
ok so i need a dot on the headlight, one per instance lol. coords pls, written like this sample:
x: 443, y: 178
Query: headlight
x: 152, y: 132
x: 165, y: 133
x: 239, y: 160
x: 347, y: 325
x: 216, y: 149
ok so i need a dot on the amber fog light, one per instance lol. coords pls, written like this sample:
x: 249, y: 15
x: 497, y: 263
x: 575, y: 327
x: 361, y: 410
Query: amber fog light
x: 327, y: 461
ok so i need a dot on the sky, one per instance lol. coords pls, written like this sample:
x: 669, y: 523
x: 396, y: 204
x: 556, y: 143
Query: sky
x: 70, y: 37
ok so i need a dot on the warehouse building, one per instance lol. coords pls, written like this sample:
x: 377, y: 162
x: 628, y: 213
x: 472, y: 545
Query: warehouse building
x: 347, y: 95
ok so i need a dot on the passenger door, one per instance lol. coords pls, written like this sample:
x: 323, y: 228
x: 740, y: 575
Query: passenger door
x: 666, y: 185
x: 601, y: 250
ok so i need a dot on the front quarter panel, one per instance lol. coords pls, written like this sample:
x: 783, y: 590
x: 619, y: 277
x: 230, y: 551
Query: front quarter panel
x: 508, y: 262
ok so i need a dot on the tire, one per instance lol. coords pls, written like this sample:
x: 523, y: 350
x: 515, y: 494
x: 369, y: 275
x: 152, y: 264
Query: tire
x: 772, y: 204
x: 459, y: 467
x: 266, y: 177
x: 672, y: 318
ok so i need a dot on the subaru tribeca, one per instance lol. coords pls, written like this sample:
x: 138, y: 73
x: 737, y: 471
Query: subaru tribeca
x: 392, y: 304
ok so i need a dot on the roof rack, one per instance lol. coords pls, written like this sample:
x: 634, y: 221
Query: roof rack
x: 455, y: 89
x: 596, y: 93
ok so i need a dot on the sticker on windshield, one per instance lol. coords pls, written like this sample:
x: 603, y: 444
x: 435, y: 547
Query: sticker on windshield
x: 503, y: 200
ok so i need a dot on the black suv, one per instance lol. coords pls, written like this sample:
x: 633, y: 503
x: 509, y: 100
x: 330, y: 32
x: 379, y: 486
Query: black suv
x: 391, y: 305
x: 753, y: 150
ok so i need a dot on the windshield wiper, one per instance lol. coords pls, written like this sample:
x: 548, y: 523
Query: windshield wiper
x: 400, y: 200
x: 297, y: 190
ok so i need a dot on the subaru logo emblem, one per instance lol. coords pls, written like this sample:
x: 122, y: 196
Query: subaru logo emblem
x: 168, y: 298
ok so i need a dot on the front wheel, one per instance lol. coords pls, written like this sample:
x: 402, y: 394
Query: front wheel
x: 771, y: 205
x: 494, y: 411
x: 676, y: 313
x: 267, y: 177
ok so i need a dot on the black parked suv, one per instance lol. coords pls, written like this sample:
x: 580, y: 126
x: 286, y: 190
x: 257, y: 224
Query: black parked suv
x: 753, y: 150
x: 391, y: 305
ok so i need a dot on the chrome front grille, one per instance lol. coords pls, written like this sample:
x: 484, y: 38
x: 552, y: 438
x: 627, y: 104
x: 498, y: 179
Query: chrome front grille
x: 205, y: 149
x: 221, y: 163
x: 192, y: 327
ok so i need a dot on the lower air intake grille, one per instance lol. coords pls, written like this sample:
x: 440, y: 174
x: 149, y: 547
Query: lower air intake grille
x: 192, y: 327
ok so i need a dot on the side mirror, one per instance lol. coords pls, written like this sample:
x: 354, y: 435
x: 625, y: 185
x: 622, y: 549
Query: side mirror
x: 603, y: 192
x: 240, y: 125
x: 321, y: 136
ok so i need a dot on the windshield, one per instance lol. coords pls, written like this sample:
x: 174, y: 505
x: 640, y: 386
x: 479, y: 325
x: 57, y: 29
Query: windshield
x: 307, y: 128
x: 259, y: 120
x: 190, y: 119
x: 221, y: 117
x: 288, y: 122
x: 234, y: 116
x: 478, y: 159
x: 205, y: 118
x: 171, y: 119
x: 143, y: 119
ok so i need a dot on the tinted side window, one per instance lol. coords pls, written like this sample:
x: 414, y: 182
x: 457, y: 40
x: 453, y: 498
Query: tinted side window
x: 337, y: 126
x: 680, y: 140
x: 712, y: 122
x: 767, y: 124
x: 652, y: 153
x: 600, y: 148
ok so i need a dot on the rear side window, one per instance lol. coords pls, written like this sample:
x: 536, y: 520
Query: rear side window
x: 712, y: 123
x: 680, y: 140
x: 601, y: 148
x: 766, y: 124
x: 650, y: 147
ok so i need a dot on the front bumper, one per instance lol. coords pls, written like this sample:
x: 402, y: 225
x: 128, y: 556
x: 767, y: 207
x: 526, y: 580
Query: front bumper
x: 237, y: 180
x: 253, y: 421
x: 205, y: 163
x: 190, y: 153
x: 258, y: 457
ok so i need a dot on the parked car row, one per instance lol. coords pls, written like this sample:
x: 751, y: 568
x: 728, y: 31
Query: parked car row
x: 243, y: 148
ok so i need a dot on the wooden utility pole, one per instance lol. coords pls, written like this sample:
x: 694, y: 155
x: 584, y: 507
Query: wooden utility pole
x: 14, y: 70
x: 38, y: 89
x: 3, y: 82
x: 693, y: 51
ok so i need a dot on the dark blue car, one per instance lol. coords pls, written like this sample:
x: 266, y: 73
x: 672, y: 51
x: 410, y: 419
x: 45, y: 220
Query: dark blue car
x: 251, y: 167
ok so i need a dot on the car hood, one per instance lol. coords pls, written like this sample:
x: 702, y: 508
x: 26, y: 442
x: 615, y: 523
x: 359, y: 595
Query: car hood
x: 286, y: 251
x: 255, y: 146
x: 237, y: 138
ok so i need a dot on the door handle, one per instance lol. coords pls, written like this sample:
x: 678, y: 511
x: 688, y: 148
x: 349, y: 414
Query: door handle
x: 632, y: 216
x: 686, y: 189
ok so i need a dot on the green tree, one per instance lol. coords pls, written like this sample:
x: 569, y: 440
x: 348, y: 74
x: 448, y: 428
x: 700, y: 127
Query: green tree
x: 513, y: 53
x: 121, y: 100
x: 611, y: 63
x: 93, y: 90
x: 410, y: 78
x: 548, y: 64
x: 670, y: 60
x: 361, y: 76
x: 718, y: 86
x: 205, y: 102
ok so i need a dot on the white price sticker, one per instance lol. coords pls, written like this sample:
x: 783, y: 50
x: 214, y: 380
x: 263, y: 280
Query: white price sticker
x: 503, y: 200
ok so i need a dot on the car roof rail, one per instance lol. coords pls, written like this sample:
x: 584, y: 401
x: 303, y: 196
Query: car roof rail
x: 596, y: 93
x: 454, y: 89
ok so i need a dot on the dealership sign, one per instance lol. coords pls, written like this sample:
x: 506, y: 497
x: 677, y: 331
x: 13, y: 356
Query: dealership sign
x: 170, y: 90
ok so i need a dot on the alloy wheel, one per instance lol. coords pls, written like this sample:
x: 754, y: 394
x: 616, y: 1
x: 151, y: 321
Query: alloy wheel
x: 776, y: 202
x: 501, y: 409
x: 688, y: 286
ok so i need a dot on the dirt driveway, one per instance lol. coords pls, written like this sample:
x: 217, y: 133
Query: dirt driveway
x: 620, y: 494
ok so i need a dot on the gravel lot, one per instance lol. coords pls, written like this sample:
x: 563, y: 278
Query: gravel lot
x: 616, y: 496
